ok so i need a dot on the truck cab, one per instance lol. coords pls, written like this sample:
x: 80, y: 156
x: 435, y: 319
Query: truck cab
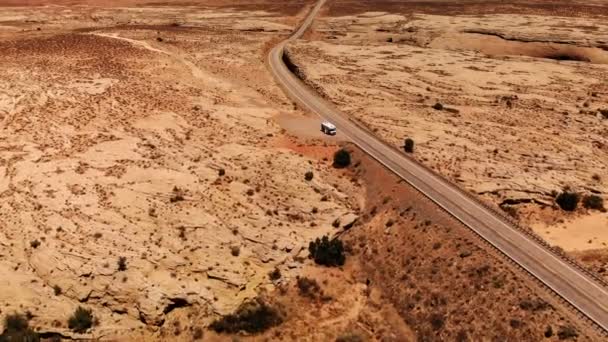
x: 328, y: 128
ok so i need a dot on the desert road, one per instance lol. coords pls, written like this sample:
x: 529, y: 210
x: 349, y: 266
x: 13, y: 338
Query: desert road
x: 570, y: 282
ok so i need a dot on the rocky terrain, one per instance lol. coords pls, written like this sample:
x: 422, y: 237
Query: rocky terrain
x: 153, y: 173
x: 153, y: 143
x: 512, y: 107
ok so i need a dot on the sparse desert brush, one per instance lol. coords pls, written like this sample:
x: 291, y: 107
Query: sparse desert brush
x: 566, y: 332
x: 308, y: 287
x: 122, y: 263
x: 252, y: 317
x: 34, y: 244
x: 308, y: 175
x: 16, y: 328
x: 341, y: 158
x: 593, y: 202
x: 274, y: 274
x: 81, y: 320
x: 327, y: 252
x: 197, y: 333
x: 567, y: 200
x: 57, y: 290
x: 15, y: 322
x: 408, y: 145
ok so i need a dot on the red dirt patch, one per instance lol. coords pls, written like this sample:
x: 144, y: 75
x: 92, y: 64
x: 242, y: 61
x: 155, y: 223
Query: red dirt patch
x: 316, y: 150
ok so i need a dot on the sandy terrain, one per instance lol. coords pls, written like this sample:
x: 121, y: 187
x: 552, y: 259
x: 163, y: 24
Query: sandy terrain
x: 152, y: 131
x: 519, y: 121
x: 113, y: 143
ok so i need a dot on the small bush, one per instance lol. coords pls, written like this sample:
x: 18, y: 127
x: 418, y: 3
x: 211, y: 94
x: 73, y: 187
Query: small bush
x: 567, y: 200
x: 308, y: 287
x: 327, y: 252
x: 15, y: 322
x: 122, y: 263
x: 81, y: 320
x: 197, y: 333
x: 252, y: 317
x: 548, y: 331
x: 593, y: 202
x: 57, y: 290
x: 566, y: 332
x: 221, y: 172
x: 235, y: 251
x: 308, y: 175
x: 437, y: 321
x: 341, y: 158
x: 34, y: 244
x: 275, y: 274
x: 408, y: 145
x: 16, y: 328
x: 438, y: 106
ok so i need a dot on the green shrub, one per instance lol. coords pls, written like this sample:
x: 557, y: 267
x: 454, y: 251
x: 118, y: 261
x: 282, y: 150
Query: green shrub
x: 122, y: 263
x: 593, y: 202
x: 341, y: 158
x: 252, y: 317
x: 15, y: 322
x: 57, y: 290
x: 16, y: 328
x: 308, y: 175
x: 81, y: 320
x: 327, y: 252
x: 308, y: 287
x: 408, y: 145
x: 567, y: 200
x: 566, y: 332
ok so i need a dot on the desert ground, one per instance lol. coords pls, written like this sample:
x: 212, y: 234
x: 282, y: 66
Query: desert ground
x: 153, y: 172
x: 510, y: 101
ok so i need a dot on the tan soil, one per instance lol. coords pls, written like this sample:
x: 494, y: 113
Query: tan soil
x: 516, y: 129
x: 112, y: 141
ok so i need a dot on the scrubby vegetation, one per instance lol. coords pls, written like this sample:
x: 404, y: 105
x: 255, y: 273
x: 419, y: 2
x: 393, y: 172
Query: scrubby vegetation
x: 252, y: 317
x: 308, y: 175
x: 567, y: 200
x: 122, y: 263
x: 57, y: 290
x: 593, y: 202
x: 408, y: 145
x: 341, y: 158
x: 566, y: 332
x: 16, y: 328
x: 81, y: 320
x: 308, y: 287
x: 327, y: 252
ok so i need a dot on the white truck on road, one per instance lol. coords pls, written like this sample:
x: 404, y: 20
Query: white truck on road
x: 328, y: 128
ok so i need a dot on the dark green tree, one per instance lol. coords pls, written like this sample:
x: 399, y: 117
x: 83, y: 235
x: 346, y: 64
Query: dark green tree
x: 341, y: 158
x: 327, y: 252
x: 408, y: 145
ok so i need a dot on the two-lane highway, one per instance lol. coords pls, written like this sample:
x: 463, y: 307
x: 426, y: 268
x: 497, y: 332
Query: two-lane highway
x: 571, y: 283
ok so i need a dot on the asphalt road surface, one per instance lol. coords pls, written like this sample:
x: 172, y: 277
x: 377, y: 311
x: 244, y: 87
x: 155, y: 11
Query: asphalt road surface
x: 572, y: 284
